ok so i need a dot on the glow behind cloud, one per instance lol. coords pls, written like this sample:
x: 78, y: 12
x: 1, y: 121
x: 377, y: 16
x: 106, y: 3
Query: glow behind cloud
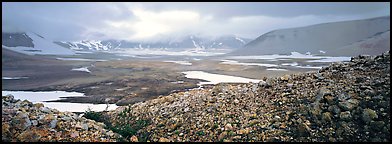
x: 69, y: 21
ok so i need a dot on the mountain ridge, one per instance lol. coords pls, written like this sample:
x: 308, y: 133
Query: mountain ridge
x: 22, y: 39
x: 326, y: 37
x: 191, y: 41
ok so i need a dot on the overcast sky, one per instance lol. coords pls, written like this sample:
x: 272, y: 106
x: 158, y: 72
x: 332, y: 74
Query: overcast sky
x: 68, y: 21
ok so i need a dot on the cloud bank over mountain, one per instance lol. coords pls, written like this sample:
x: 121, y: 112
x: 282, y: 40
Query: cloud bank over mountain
x: 67, y: 21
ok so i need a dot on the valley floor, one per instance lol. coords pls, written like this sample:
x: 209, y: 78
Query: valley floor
x: 122, y: 81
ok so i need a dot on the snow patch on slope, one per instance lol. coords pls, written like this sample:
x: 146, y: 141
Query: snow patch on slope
x: 83, y: 69
x: 237, y: 38
x: 180, y: 62
x: 13, y: 78
x: 232, y: 62
x: 217, y: 78
x: 41, y: 46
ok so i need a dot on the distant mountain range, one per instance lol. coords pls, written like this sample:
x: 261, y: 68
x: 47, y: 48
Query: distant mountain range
x: 346, y: 38
x: 191, y: 41
x: 29, y: 42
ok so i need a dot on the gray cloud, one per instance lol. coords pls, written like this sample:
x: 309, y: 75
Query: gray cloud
x: 77, y: 21
x: 276, y: 9
x: 59, y: 21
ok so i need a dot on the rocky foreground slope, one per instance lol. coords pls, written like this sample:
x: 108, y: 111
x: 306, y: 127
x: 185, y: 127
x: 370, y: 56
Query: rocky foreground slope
x: 342, y: 102
x: 23, y: 121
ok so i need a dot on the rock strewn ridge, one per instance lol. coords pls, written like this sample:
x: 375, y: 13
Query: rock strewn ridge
x: 342, y: 102
x: 23, y: 121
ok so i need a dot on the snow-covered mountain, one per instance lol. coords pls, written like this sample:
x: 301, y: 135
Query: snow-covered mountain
x: 32, y: 43
x: 346, y: 38
x: 191, y: 41
x: 92, y: 45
